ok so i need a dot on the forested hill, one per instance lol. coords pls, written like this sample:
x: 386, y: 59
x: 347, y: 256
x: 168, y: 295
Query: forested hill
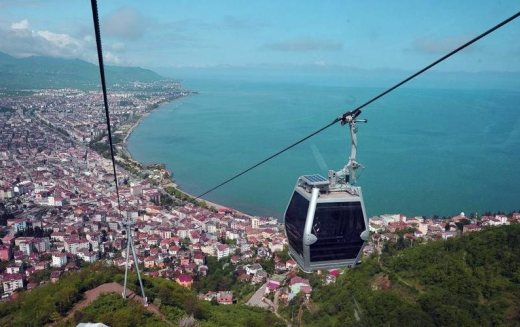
x: 46, y: 72
x: 473, y: 280
x: 50, y: 304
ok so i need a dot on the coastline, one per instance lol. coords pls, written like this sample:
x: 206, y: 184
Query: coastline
x: 131, y: 129
x: 216, y: 205
x: 376, y: 201
x: 124, y: 148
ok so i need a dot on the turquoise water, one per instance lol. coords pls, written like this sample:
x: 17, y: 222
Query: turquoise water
x: 425, y: 151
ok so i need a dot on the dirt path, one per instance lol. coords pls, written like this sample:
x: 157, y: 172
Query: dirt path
x: 94, y: 293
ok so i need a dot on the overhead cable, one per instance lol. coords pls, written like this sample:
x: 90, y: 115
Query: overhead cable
x: 356, y: 111
x: 95, y: 17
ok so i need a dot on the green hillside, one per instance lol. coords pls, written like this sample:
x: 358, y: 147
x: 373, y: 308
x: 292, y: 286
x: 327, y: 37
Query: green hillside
x: 473, y: 280
x: 51, y: 303
x: 46, y: 72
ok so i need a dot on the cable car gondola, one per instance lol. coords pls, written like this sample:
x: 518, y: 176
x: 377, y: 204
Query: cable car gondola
x: 325, y: 220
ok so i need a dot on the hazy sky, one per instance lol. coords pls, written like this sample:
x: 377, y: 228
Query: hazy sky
x: 362, y: 34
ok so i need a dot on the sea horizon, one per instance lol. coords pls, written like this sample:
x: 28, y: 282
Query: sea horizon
x: 426, y: 151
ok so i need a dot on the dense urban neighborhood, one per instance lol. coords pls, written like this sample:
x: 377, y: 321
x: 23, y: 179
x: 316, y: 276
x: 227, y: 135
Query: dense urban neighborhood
x: 59, y: 209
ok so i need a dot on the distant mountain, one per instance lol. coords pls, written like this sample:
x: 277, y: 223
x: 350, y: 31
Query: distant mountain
x: 47, y: 72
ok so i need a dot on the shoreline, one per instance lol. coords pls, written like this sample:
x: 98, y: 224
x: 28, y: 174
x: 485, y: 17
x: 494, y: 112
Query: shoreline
x: 171, y: 180
x: 124, y: 147
x: 131, y: 129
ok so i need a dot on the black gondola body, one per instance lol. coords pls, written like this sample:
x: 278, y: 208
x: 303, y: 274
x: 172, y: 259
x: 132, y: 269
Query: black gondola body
x: 326, y: 228
x: 325, y: 220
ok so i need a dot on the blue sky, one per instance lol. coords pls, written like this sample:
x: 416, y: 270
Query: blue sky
x: 360, y: 34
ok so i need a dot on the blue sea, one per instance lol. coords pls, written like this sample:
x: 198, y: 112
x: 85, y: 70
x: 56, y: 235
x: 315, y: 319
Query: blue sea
x: 425, y: 150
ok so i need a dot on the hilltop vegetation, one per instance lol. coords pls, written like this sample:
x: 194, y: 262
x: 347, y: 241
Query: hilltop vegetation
x: 45, y: 72
x: 115, y: 311
x: 473, y: 280
x: 50, y: 303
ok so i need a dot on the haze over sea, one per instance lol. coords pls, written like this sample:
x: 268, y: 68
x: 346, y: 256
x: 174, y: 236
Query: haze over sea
x: 442, y: 146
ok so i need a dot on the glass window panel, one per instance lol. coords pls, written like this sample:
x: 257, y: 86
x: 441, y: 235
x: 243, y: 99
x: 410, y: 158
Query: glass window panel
x: 338, y: 227
x: 295, y: 221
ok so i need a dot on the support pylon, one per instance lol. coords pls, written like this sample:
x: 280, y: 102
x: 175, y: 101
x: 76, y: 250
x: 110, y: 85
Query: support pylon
x: 128, y: 224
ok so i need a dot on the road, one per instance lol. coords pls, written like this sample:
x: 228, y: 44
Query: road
x: 257, y: 299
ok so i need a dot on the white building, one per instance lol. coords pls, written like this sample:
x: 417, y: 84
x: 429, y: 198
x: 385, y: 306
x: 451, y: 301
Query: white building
x: 5, y: 194
x: 495, y: 221
x: 88, y: 256
x: 222, y: 251
x: 275, y: 246
x: 182, y: 233
x: 12, y: 282
x: 255, y: 222
x: 211, y: 228
x: 74, y: 246
x: 208, y: 249
x: 390, y: 219
x: 17, y: 225
x: 26, y: 247
x: 376, y: 224
x: 13, y: 270
x: 59, y: 260
x: 232, y: 235
x: 253, y: 269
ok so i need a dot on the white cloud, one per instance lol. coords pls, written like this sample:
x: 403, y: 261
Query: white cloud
x: 124, y: 23
x: 21, y: 25
x: 20, y: 40
x: 60, y: 40
x: 118, y: 46
x: 109, y: 57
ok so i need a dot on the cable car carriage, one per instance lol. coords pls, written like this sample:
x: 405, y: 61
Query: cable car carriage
x: 325, y: 220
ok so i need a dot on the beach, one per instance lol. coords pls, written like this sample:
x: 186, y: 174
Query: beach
x: 424, y: 150
x: 171, y: 182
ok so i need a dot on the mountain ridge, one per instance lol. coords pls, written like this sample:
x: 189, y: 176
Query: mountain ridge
x: 37, y: 72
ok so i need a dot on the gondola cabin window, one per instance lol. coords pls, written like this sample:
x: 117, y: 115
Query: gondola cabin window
x: 338, y: 227
x: 295, y: 221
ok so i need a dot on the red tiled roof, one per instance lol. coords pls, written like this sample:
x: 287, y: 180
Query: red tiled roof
x: 12, y: 277
x: 299, y: 280
x: 273, y: 285
x: 185, y: 278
